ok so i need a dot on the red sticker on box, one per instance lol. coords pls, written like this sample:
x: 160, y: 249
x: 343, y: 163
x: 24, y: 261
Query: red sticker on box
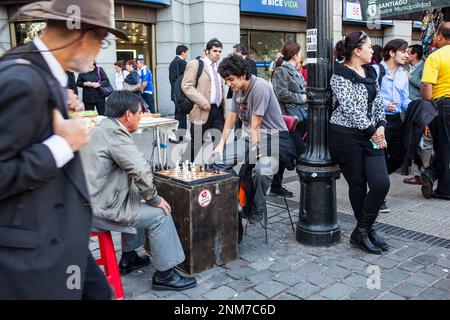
x: 204, y: 199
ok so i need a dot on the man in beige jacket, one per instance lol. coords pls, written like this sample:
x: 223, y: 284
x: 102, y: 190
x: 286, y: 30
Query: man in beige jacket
x: 207, y: 96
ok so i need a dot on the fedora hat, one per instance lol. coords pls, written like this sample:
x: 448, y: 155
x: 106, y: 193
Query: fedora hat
x: 96, y: 13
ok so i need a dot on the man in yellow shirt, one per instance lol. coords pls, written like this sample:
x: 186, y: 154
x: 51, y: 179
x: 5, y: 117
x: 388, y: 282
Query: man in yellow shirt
x: 436, y: 86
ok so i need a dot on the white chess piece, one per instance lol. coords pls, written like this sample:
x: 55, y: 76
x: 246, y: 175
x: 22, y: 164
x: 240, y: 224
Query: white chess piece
x: 177, y: 168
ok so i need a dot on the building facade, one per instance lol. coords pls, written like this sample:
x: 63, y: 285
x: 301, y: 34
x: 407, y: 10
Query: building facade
x: 157, y: 27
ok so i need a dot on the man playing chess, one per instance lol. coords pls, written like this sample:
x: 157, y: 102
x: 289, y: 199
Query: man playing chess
x: 123, y: 196
x: 265, y: 141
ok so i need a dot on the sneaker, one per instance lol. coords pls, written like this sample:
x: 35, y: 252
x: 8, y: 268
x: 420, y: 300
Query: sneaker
x: 384, y: 208
x: 282, y: 191
x: 126, y: 266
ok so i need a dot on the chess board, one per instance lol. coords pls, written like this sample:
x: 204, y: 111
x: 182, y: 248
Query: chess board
x: 192, y: 177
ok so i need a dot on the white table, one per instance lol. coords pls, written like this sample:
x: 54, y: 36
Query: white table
x: 163, y: 129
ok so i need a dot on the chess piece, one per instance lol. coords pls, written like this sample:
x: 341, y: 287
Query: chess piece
x: 177, y: 168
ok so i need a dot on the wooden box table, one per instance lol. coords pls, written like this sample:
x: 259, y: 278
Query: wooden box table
x: 205, y: 212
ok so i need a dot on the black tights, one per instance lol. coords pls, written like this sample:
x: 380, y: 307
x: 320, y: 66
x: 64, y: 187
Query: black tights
x: 365, y: 172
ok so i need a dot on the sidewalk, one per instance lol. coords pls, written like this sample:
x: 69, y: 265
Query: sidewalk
x: 416, y: 267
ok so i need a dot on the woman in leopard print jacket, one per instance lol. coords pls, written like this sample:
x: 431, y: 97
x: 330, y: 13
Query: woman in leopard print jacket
x: 357, y: 138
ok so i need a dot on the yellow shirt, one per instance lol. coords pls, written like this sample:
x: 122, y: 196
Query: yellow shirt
x: 437, y: 72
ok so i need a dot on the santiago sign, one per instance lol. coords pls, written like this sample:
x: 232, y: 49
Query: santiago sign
x: 378, y: 9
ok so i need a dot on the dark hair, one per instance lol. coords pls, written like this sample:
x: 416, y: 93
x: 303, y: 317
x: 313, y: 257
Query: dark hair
x: 394, y: 45
x: 444, y: 29
x: 339, y: 50
x: 377, y: 53
x: 213, y: 43
x: 141, y: 61
x: 119, y: 64
x: 352, y: 41
x: 417, y: 49
x: 241, y: 49
x: 131, y: 63
x: 119, y: 102
x: 180, y: 49
x: 288, y: 51
x: 234, y: 66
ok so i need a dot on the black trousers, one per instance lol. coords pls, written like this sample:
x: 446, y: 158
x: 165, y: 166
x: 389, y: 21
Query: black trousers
x: 182, y: 119
x: 395, y: 152
x: 148, y: 98
x: 440, y: 166
x: 100, y: 105
x: 362, y: 173
x: 215, y: 121
x: 95, y: 286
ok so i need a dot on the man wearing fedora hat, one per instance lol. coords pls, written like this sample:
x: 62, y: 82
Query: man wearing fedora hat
x: 46, y: 216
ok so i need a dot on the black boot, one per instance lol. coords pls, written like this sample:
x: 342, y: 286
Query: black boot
x: 378, y: 240
x: 360, y: 236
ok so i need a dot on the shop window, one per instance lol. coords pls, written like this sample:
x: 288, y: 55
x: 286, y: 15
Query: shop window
x: 263, y: 45
x: 25, y: 32
x: 139, y: 44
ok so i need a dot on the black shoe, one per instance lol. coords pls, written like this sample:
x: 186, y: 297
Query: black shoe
x: 126, y: 266
x: 436, y: 195
x: 360, y: 238
x: 281, y: 191
x: 427, y: 186
x: 378, y: 240
x: 174, y: 282
x: 384, y: 208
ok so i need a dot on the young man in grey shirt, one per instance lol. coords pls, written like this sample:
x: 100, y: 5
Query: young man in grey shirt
x: 265, y: 141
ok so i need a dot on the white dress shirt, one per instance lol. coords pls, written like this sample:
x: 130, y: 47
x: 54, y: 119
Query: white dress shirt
x: 208, y: 63
x: 60, y: 148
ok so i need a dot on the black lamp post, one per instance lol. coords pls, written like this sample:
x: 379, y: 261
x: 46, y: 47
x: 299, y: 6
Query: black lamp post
x: 318, y: 224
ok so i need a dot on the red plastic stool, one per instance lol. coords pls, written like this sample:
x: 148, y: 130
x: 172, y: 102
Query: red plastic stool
x: 109, y: 261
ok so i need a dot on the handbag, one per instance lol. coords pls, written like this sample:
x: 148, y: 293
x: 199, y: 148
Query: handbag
x: 298, y: 111
x: 104, y: 91
x: 132, y: 87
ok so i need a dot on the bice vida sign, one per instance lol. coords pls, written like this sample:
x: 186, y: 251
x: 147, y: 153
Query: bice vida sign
x: 376, y: 9
x: 277, y: 7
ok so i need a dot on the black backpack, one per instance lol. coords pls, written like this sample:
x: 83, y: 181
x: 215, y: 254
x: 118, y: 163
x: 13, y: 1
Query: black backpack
x: 182, y: 103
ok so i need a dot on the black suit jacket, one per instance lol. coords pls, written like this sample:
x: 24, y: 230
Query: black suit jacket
x: 176, y: 69
x: 253, y: 68
x: 45, y: 216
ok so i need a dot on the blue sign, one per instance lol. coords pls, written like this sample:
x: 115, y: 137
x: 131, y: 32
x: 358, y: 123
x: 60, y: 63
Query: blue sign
x: 163, y: 2
x: 295, y: 8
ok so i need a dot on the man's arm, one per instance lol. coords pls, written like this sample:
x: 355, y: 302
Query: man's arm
x: 256, y: 129
x: 426, y: 91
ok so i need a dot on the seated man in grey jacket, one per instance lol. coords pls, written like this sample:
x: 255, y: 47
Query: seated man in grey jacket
x: 123, y: 196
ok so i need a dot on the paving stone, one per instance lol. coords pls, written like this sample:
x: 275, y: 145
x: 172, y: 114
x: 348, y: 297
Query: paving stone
x: 425, y: 259
x: 241, y: 285
x: 249, y: 295
x: 391, y: 296
x: 443, y: 284
x: 178, y: 296
x: 327, y: 261
x: 364, y: 294
x: 355, y: 281
x: 260, y: 276
x: 290, y: 278
x: 385, y: 263
x: 411, y: 266
x: 434, y: 294
x: 144, y: 296
x: 261, y: 265
x: 271, y: 288
x: 337, y: 272
x: 222, y: 293
x: 279, y: 267
x: 236, y: 264
x: 445, y: 263
x: 353, y: 264
x: 218, y: 280
x: 406, y: 290
x: 317, y: 297
x: 437, y: 271
x: 303, y: 290
x: 285, y: 296
x: 310, y: 269
x: 241, y: 273
x: 337, y: 291
x: 322, y: 281
x: 197, y: 292
x: 421, y: 279
x: 395, y: 275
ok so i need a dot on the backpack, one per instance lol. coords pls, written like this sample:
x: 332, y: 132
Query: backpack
x: 182, y: 103
x: 381, y: 71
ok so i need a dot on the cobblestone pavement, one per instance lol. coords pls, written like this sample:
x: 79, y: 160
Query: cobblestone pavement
x: 416, y: 267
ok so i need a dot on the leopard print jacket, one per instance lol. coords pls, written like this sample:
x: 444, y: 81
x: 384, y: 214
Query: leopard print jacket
x: 350, y: 105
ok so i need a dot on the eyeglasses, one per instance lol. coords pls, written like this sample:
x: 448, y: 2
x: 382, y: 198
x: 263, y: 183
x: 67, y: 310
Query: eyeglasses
x: 101, y: 36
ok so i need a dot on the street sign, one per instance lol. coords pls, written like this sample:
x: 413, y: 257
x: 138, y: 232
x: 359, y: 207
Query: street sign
x: 379, y: 9
x: 311, y: 40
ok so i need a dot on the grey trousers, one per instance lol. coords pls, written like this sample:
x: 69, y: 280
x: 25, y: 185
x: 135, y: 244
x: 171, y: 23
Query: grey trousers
x: 165, y: 244
x: 265, y: 168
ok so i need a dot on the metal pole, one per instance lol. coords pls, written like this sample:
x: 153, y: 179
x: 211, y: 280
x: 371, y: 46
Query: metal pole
x: 318, y: 224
